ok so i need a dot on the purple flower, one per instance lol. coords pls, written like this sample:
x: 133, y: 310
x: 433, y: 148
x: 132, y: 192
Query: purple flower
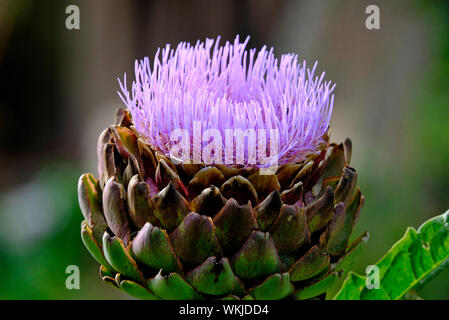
x: 229, y: 87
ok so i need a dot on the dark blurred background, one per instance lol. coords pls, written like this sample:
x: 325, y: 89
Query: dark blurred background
x: 58, y: 91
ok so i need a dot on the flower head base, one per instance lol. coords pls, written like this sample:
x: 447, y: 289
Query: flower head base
x: 215, y: 91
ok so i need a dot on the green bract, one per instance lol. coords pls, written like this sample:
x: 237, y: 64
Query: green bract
x: 164, y: 230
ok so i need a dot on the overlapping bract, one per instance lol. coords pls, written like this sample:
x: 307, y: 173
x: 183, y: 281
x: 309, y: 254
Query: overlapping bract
x: 172, y: 231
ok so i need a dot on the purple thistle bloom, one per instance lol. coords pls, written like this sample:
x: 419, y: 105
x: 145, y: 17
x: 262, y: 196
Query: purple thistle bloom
x: 230, y: 87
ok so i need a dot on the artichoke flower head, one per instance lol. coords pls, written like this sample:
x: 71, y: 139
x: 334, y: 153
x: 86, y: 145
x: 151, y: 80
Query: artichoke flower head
x: 225, y: 89
x: 218, y: 180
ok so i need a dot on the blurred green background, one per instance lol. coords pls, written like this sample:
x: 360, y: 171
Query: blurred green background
x: 58, y: 91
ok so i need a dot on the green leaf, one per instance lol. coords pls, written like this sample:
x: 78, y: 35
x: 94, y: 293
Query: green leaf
x: 412, y: 262
x: 351, y: 288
